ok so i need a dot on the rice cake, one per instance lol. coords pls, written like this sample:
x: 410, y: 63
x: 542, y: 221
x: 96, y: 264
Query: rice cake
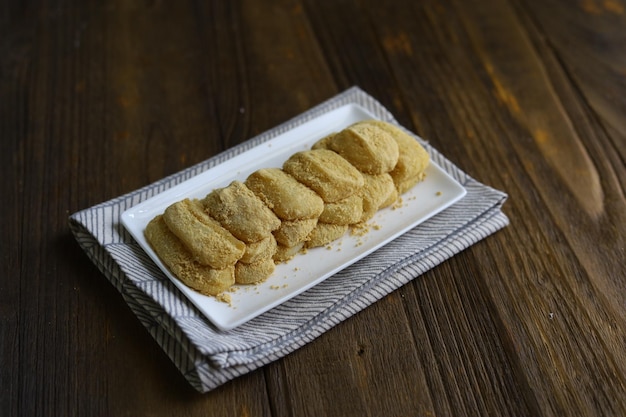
x: 293, y: 232
x: 285, y: 253
x: 262, y: 249
x: 369, y: 148
x: 207, y: 241
x: 376, y: 192
x: 413, y: 159
x: 324, y: 233
x: 179, y: 261
x: 326, y: 173
x: 255, y: 272
x: 241, y: 212
x: 284, y: 195
x: 346, y: 211
x: 323, y: 142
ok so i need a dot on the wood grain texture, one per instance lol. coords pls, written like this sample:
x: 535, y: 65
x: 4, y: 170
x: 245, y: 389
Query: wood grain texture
x: 100, y: 98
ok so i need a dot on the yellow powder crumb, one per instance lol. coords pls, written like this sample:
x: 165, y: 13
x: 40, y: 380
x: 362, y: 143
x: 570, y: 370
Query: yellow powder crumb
x: 224, y: 298
x: 398, y: 204
x: 360, y: 229
x: 274, y: 287
x: 438, y: 193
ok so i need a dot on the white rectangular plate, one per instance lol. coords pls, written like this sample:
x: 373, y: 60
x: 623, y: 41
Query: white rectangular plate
x: 437, y: 192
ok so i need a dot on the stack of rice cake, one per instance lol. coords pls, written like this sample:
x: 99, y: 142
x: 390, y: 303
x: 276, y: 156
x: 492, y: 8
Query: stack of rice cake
x: 237, y: 234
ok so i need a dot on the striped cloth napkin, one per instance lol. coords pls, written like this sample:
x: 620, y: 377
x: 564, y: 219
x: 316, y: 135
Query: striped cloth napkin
x: 208, y: 357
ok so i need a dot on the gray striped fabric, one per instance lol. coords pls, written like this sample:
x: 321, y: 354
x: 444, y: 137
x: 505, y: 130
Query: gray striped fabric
x: 208, y: 357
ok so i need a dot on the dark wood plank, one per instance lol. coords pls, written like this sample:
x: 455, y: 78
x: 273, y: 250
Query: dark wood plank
x: 589, y: 40
x: 285, y: 70
x: 348, y: 36
x: 564, y: 195
x: 594, y: 129
x: 373, y: 357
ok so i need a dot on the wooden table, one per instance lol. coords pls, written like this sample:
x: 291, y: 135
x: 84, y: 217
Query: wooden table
x: 100, y: 98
